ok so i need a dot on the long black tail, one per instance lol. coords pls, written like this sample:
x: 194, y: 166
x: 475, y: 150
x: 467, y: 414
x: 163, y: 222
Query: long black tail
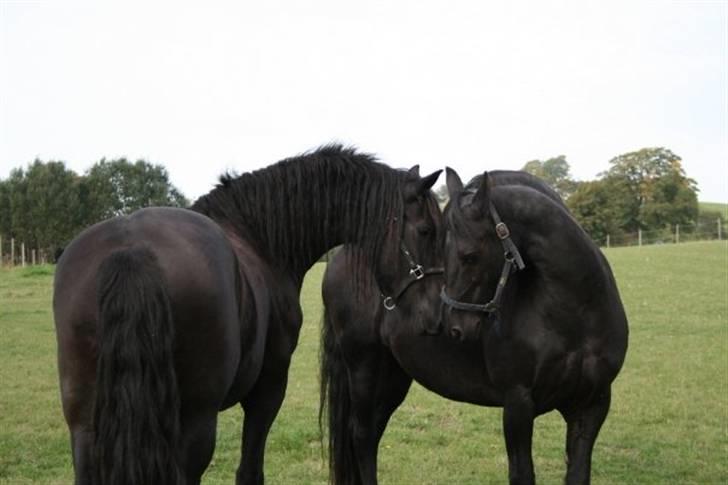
x: 136, y: 416
x: 335, y: 406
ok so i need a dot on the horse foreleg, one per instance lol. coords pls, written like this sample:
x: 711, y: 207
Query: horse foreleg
x: 582, y: 428
x: 518, y: 416
x: 378, y: 386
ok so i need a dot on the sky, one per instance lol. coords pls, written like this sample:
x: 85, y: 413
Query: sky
x: 207, y: 87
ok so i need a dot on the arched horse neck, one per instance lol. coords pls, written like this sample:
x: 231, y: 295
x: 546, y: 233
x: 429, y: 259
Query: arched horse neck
x: 296, y: 210
x: 551, y: 243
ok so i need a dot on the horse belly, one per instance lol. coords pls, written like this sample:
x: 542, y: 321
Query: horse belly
x: 452, y: 369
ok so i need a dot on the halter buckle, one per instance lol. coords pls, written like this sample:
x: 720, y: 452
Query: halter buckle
x: 502, y: 231
x: 389, y: 303
x: 417, y: 272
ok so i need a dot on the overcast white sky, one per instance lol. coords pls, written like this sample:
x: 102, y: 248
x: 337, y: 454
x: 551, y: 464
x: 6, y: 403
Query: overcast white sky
x: 210, y: 86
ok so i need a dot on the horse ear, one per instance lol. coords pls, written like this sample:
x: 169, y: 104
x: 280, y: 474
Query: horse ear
x: 427, y: 182
x: 454, y: 184
x: 415, y: 170
x: 481, y: 199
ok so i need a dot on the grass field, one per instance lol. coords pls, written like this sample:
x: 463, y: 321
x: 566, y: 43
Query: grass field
x: 668, y: 423
x: 714, y: 207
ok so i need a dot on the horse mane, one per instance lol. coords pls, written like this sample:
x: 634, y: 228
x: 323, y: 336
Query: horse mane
x: 296, y: 209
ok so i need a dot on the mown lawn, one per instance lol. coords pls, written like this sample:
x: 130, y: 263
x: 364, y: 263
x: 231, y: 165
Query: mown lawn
x: 668, y: 424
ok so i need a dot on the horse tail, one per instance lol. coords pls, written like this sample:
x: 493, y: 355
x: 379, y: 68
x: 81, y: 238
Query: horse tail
x: 335, y: 407
x: 137, y: 409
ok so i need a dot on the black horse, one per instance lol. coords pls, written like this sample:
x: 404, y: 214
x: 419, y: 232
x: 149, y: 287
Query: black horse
x: 167, y: 316
x: 361, y: 382
x: 524, y: 277
x: 371, y: 355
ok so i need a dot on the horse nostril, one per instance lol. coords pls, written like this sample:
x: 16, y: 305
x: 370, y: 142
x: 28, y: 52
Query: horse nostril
x: 456, y: 333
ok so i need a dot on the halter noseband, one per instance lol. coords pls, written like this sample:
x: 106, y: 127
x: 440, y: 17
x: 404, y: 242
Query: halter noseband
x: 416, y: 272
x: 513, y: 262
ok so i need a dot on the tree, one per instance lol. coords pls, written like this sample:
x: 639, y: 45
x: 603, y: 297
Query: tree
x: 38, y: 206
x: 555, y: 172
x: 18, y: 203
x: 662, y: 193
x: 46, y: 204
x: 602, y: 207
x: 5, y: 214
x: 52, y: 204
x: 119, y: 187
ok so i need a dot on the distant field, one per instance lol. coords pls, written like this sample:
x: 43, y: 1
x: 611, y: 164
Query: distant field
x: 714, y: 207
x: 668, y: 424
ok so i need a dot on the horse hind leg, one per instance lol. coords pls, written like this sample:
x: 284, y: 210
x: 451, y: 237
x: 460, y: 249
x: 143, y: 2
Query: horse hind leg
x: 82, y: 440
x: 518, y: 416
x: 198, y: 444
x: 78, y: 377
x: 261, y: 407
x: 582, y: 428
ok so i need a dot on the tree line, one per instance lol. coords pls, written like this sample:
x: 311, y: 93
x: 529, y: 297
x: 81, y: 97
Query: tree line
x: 645, y: 190
x: 46, y: 204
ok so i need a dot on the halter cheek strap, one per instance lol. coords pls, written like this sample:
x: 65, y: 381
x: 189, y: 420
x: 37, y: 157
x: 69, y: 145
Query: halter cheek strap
x: 416, y: 272
x: 513, y: 262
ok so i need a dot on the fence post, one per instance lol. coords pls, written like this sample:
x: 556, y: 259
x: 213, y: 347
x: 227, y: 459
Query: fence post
x: 22, y: 255
x: 677, y: 233
x: 32, y: 252
x: 12, y: 251
x: 607, y: 240
x: 719, y: 235
x: 639, y: 237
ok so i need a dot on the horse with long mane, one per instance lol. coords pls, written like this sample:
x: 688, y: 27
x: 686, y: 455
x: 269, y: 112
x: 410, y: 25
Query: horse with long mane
x: 524, y: 279
x: 371, y: 355
x: 361, y: 382
x: 167, y: 316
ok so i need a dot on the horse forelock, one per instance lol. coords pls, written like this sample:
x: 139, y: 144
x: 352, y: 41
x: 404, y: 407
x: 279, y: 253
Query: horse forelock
x: 295, y: 209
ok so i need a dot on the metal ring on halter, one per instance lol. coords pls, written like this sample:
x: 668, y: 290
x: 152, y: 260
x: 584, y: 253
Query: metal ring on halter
x: 389, y: 303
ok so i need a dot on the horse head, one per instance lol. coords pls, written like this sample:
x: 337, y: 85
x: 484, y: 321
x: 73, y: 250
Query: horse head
x: 479, y: 257
x: 412, y: 252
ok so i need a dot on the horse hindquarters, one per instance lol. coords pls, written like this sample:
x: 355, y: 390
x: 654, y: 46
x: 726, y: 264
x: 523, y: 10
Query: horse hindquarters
x: 136, y: 418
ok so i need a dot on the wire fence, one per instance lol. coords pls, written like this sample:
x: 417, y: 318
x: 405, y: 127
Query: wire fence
x: 669, y: 235
x: 17, y: 253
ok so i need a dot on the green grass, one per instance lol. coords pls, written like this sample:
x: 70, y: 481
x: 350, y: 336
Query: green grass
x: 668, y: 423
x: 714, y: 207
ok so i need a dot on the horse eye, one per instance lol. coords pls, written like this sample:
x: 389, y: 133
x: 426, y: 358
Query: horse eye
x: 424, y: 230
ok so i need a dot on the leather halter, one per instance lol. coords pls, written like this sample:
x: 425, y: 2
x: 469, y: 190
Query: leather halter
x: 513, y: 262
x: 416, y: 273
